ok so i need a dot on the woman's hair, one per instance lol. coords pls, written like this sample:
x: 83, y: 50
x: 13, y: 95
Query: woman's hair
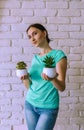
x: 40, y: 27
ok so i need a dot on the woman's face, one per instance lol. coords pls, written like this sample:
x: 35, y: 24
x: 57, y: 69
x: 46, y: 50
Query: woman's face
x: 36, y: 36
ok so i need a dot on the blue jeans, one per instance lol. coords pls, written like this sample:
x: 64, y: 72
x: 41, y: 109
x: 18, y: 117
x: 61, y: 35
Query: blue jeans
x: 40, y: 118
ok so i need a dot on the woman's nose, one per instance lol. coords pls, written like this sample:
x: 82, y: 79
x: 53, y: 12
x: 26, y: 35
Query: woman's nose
x: 33, y: 39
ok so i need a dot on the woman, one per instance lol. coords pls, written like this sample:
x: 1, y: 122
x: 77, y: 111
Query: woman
x: 42, y: 100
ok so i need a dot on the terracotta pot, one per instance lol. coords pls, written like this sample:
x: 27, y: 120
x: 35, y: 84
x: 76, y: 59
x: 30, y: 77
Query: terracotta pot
x: 51, y: 72
x: 20, y: 72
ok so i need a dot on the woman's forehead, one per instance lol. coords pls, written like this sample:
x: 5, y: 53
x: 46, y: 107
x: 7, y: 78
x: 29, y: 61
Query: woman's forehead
x: 33, y: 29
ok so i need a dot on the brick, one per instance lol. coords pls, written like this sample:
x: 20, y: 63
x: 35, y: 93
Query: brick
x: 10, y: 50
x: 10, y: 80
x: 82, y: 86
x: 67, y: 127
x: 76, y: 107
x: 5, y: 87
x: 69, y: 42
x: 82, y: 27
x: 81, y: 99
x: 19, y: 27
x: 77, y: 20
x: 17, y: 94
x: 69, y: 100
x: 4, y: 73
x: 82, y: 42
x: 10, y: 19
x: 82, y: 127
x: 62, y: 121
x: 82, y: 71
x: 4, y: 12
x: 11, y: 108
x: 73, y: 72
x: 33, y: 5
x: 83, y: 58
x: 77, y: 50
x: 21, y: 12
x: 64, y: 107
x: 51, y: 27
x: 6, y: 58
x: 2, y: 101
x: 69, y: 113
x: 45, y: 12
x: 82, y: 13
x: 20, y: 127
x: 4, y: 28
x: 19, y: 101
x: 64, y: 94
x: 57, y: 5
x: 58, y: 20
x: 21, y: 43
x: 76, y: 79
x: 11, y: 121
x: 10, y: 35
x: 16, y: 87
x: 31, y: 20
x: 77, y: 5
x: 6, y: 127
x: 5, y: 114
x: 58, y: 35
x: 11, y: 4
x: 27, y: 57
x: 74, y: 57
x: 72, y: 86
x: 76, y: 93
x: 77, y: 35
x: 68, y: 28
x: 77, y: 64
x: 79, y: 120
x: 4, y: 42
x: 69, y: 12
x: 81, y: 113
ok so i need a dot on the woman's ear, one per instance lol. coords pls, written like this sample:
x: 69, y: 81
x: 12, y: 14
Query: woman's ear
x: 44, y: 33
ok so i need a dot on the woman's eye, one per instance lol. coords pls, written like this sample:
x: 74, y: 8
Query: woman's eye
x: 35, y: 33
x: 29, y: 37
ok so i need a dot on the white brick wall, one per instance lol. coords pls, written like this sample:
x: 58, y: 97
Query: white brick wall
x: 64, y: 20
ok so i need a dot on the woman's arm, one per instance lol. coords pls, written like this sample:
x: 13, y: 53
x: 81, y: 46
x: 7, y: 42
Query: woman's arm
x: 59, y: 80
x: 26, y: 81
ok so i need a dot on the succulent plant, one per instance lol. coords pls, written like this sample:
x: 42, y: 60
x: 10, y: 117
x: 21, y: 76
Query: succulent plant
x: 49, y: 61
x: 21, y: 65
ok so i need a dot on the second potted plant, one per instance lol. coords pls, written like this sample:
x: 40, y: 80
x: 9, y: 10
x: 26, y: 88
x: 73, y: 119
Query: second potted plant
x: 49, y: 68
x: 21, y: 69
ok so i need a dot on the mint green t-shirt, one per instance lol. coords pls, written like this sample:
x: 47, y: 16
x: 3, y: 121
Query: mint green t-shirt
x: 42, y: 93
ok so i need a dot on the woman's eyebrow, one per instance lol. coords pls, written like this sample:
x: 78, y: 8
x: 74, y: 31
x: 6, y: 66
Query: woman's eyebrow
x: 32, y: 33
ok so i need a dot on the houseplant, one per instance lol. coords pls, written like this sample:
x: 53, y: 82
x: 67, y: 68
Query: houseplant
x: 21, y: 69
x: 49, y: 68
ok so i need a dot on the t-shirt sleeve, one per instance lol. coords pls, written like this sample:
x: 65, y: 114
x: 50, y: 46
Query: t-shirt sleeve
x: 60, y: 54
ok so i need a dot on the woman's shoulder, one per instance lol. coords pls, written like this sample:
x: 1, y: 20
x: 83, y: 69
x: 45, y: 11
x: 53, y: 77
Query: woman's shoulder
x: 58, y: 52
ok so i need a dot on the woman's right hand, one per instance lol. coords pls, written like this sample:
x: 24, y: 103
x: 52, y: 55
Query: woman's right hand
x: 24, y: 77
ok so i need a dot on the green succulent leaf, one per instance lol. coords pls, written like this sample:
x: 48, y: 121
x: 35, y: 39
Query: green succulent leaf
x: 49, y: 61
x: 21, y: 65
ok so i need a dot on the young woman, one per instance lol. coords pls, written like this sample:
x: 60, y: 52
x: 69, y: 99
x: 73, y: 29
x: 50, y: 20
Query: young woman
x: 42, y: 100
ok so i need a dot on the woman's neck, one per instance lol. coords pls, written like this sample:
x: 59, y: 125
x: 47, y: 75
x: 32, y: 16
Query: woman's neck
x: 44, y: 51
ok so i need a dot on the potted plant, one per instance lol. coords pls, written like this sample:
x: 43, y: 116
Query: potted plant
x: 21, y: 69
x: 49, y: 68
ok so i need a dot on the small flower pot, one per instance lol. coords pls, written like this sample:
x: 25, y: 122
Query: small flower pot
x: 50, y: 72
x: 21, y: 72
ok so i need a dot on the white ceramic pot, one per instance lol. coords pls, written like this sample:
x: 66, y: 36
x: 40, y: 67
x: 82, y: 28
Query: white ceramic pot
x: 51, y: 72
x: 20, y: 73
